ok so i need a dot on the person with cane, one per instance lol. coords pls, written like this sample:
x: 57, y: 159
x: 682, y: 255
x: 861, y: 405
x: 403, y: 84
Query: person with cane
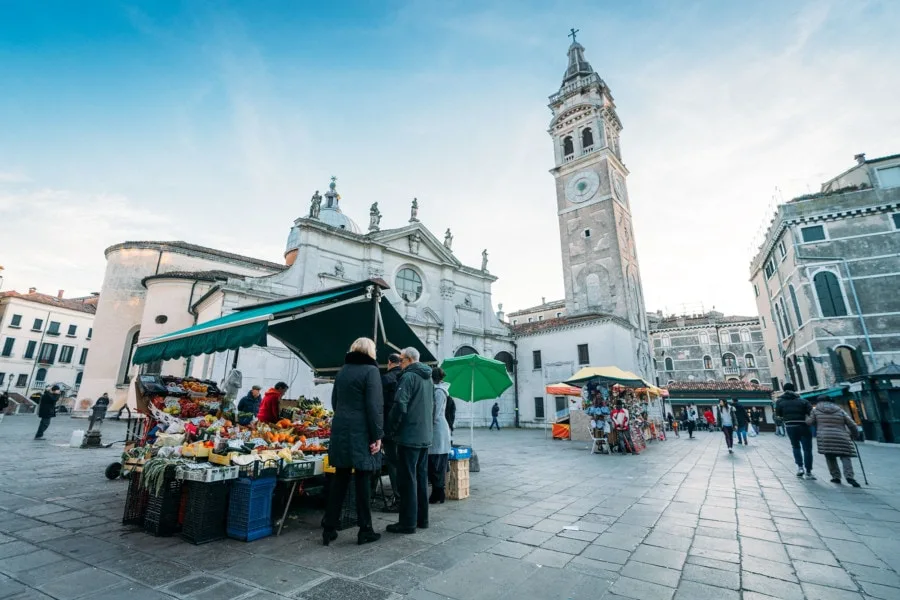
x: 834, y: 428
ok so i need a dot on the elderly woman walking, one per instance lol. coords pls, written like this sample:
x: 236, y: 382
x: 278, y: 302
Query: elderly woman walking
x: 356, y: 433
x: 833, y: 438
x: 439, y: 451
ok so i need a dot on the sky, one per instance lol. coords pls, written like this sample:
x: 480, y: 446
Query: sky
x: 214, y: 123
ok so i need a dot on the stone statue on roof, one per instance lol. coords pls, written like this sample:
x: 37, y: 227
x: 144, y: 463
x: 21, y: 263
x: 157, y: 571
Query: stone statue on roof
x: 448, y: 240
x: 414, y: 211
x: 374, y: 218
x: 315, y: 205
x: 484, y: 259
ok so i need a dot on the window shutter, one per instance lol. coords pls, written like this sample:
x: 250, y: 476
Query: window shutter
x: 775, y: 386
x: 799, y: 374
x: 859, y: 362
x: 836, y: 366
x: 823, y: 291
x: 811, y: 371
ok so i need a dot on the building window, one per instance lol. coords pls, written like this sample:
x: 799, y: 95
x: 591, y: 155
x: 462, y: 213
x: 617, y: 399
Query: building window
x: 799, y: 371
x: 771, y: 356
x: 465, y: 351
x: 40, y: 376
x: 38, y: 325
x: 3, y: 378
x: 536, y: 360
x: 728, y: 360
x: 888, y: 177
x: 782, y: 251
x: 409, y: 285
x: 815, y: 233
x: 47, y: 355
x: 769, y: 268
x: 756, y: 290
x: 78, y: 378
x: 587, y: 233
x: 16, y: 321
x: 896, y: 217
x: 736, y: 337
x: 530, y: 319
x: 665, y: 341
x: 29, y: 349
x: 559, y: 315
x: 750, y: 361
x: 53, y: 328
x: 515, y: 321
x: 724, y: 337
x: 655, y: 364
x: 583, y: 355
x: 90, y: 333
x: 670, y: 364
x: 8, y: 346
x: 763, y: 321
x: 828, y: 290
x: 568, y: 146
x: 745, y: 335
x: 22, y: 380
x: 847, y: 362
x: 562, y: 407
x: 72, y: 330
x: 83, y: 359
x: 587, y: 138
x: 704, y: 337
x: 538, y: 407
x: 65, y: 354
x: 540, y: 317
x: 811, y: 374
x: 796, y: 306
x: 707, y: 362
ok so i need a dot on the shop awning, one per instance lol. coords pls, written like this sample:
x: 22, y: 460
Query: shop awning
x: 606, y: 375
x: 835, y: 392
x: 714, y: 401
x: 562, y: 389
x: 318, y: 328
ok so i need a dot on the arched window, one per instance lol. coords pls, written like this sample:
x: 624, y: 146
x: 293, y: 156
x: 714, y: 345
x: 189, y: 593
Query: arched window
x: 506, y: 358
x: 724, y: 337
x: 745, y: 335
x: 78, y: 377
x: 655, y: 365
x: 729, y: 360
x: 796, y: 305
x: 130, y: 344
x: 670, y: 382
x: 409, y: 285
x: 750, y: 361
x: 465, y: 351
x: 670, y: 364
x: 787, y: 318
x: 41, y: 376
x: 665, y: 341
x: 828, y: 290
x: 848, y: 362
x: 704, y: 337
x: 707, y: 362
x: 755, y: 381
x: 568, y: 146
x: 587, y: 138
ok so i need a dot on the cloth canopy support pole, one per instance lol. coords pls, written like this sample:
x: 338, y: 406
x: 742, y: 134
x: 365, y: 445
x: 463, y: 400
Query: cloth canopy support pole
x: 472, y: 413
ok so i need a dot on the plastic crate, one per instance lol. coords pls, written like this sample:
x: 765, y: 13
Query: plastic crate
x: 298, y: 469
x: 258, y: 534
x: 205, y: 511
x: 135, y: 502
x: 259, y: 469
x: 208, y: 475
x: 161, y: 516
x: 250, y: 508
x: 460, y: 452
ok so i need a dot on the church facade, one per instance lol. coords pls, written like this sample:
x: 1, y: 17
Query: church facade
x: 602, y: 320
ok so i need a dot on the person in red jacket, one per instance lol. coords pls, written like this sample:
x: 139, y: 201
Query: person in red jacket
x: 268, y: 409
x: 710, y: 419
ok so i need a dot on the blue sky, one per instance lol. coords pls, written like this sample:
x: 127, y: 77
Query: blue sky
x: 215, y: 123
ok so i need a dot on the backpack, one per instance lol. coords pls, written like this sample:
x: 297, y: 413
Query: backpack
x: 450, y: 412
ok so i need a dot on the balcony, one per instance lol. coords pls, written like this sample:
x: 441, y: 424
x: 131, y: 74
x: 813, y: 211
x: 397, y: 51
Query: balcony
x: 569, y: 158
x: 587, y: 150
x: 731, y: 370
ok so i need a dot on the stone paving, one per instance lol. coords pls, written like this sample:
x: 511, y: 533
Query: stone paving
x: 546, y: 520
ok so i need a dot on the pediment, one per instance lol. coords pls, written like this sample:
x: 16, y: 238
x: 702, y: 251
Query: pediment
x: 424, y: 245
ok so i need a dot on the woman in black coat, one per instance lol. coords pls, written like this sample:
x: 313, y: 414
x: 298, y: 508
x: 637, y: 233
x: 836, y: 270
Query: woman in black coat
x: 356, y: 432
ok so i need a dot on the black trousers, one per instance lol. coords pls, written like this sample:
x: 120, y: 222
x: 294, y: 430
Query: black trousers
x: 690, y: 428
x: 45, y: 423
x: 340, y: 481
x: 412, y: 481
x: 390, y: 459
x: 437, y: 470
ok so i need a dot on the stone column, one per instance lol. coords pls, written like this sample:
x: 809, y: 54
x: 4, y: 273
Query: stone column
x: 448, y: 292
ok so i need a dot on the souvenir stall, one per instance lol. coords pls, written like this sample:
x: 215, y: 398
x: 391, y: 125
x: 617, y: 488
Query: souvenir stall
x: 561, y: 428
x: 210, y: 473
x: 604, y: 387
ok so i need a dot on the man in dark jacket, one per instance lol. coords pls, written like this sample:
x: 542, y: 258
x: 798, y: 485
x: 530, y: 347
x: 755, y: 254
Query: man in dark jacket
x: 389, y: 383
x: 740, y: 413
x: 793, y: 410
x: 495, y: 412
x: 410, y: 427
x: 250, y: 402
x: 47, y: 410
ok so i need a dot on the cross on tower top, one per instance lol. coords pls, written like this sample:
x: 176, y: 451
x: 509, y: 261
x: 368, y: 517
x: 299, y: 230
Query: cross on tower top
x: 572, y: 34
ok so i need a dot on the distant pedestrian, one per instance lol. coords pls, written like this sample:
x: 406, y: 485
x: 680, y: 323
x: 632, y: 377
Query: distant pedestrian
x: 779, y: 426
x: 755, y: 418
x: 689, y: 423
x: 47, y: 410
x: 726, y: 421
x: 837, y: 431
x: 623, y: 429
x: 495, y: 412
x: 741, y: 420
x: 672, y: 424
x: 710, y: 419
x: 794, y: 410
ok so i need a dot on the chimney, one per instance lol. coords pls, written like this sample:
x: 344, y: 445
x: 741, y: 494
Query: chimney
x: 543, y: 300
x: 32, y: 290
x: 59, y: 296
x: 860, y: 158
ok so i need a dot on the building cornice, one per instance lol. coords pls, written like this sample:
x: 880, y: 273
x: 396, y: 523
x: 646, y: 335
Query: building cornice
x: 188, y: 249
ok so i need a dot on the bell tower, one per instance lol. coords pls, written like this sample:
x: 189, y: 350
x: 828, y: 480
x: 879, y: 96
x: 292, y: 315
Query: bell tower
x: 600, y: 265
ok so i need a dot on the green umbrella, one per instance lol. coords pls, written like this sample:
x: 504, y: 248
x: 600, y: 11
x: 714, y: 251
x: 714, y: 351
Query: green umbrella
x: 473, y: 378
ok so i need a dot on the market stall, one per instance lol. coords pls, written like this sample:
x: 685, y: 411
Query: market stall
x: 561, y: 428
x: 223, y: 466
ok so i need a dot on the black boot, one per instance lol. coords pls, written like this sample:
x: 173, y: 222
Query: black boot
x: 437, y: 496
x: 328, y: 536
x: 367, y: 535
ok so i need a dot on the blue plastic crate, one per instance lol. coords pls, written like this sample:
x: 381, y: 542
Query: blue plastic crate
x: 460, y: 452
x: 252, y: 534
x: 250, y: 505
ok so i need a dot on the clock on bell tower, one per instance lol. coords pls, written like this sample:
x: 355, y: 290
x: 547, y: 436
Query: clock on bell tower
x: 600, y: 265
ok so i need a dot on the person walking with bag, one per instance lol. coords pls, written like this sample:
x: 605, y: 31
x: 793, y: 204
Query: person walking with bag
x: 495, y: 412
x: 726, y: 419
x: 836, y: 431
x: 356, y: 432
x: 47, y: 410
x: 439, y: 452
x: 794, y: 410
x: 740, y: 420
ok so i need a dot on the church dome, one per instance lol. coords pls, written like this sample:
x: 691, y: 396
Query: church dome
x: 335, y: 218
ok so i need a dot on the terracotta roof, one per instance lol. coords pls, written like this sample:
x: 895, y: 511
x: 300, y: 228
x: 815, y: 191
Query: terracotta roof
x: 179, y: 245
x: 536, y: 326
x: 545, y: 306
x: 86, y: 304
x: 212, y: 275
x: 701, y: 321
x: 715, y: 386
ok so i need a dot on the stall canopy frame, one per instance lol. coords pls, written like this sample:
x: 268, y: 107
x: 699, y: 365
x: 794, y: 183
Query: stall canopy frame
x: 317, y: 327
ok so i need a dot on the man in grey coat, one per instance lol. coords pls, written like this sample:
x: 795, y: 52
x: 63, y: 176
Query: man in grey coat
x: 410, y: 427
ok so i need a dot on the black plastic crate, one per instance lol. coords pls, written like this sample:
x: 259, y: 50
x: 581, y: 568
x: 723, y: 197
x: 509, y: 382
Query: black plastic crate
x: 205, y: 509
x: 259, y: 470
x: 135, y: 502
x: 162, y: 515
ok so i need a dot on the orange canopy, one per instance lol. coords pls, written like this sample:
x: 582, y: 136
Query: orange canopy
x: 563, y: 389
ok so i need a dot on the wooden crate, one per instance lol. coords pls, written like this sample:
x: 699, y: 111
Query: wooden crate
x: 459, y: 491
x: 458, y: 480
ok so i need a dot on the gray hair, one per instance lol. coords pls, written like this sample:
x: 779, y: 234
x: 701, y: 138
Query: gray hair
x: 410, y: 353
